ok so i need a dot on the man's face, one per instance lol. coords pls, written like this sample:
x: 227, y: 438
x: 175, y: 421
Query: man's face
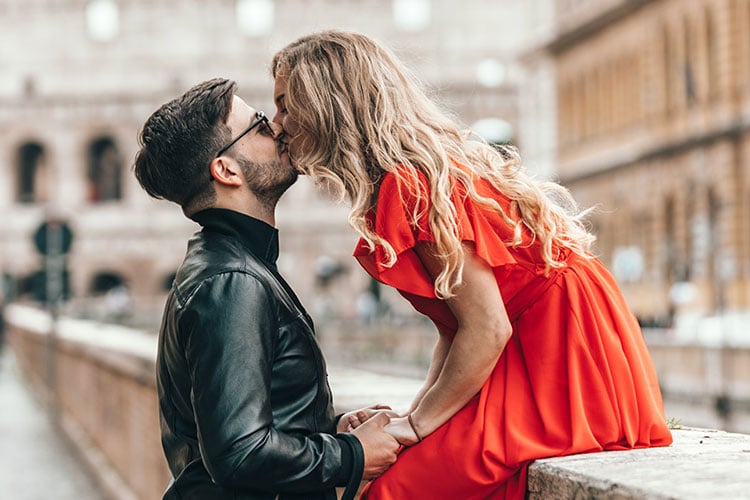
x: 267, y: 172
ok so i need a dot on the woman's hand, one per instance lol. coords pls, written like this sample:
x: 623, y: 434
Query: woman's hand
x: 401, y: 429
x: 353, y: 419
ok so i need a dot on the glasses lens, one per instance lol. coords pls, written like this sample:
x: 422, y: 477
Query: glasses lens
x: 264, y: 128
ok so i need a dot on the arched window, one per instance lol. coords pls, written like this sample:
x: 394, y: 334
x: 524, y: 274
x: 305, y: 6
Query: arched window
x: 104, y: 171
x: 31, y: 174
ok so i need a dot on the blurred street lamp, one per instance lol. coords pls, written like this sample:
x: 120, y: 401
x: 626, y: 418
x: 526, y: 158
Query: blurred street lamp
x: 53, y: 239
x: 411, y: 15
x: 102, y: 20
x: 491, y: 73
x: 255, y: 17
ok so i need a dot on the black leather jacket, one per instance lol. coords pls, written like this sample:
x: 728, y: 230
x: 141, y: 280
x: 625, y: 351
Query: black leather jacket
x: 245, y: 406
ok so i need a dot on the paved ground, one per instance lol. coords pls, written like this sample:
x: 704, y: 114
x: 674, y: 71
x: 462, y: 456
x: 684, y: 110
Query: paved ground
x: 35, y: 464
x: 354, y: 388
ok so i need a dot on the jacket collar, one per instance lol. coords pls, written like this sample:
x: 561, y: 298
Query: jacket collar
x: 257, y: 236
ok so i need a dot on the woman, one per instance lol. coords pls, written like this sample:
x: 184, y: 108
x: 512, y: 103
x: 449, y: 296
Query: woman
x: 537, y: 353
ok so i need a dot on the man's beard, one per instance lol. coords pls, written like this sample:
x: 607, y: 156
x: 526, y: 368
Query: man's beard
x: 269, y: 180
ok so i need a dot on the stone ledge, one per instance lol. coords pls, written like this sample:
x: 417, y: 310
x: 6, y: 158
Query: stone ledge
x: 701, y: 463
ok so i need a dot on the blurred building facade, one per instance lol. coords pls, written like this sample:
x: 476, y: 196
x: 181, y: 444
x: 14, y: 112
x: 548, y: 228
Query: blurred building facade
x: 653, y: 116
x: 79, y: 78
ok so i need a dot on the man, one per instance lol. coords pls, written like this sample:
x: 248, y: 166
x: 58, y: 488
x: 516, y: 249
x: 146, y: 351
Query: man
x: 244, y: 400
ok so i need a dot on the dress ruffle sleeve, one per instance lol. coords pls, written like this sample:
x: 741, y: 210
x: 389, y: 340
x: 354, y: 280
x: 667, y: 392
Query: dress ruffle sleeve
x: 397, y: 199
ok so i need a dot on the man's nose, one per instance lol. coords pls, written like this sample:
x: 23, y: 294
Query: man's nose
x: 277, y: 129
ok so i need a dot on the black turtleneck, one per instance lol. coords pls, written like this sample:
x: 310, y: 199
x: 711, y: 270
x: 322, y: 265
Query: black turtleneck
x: 257, y: 236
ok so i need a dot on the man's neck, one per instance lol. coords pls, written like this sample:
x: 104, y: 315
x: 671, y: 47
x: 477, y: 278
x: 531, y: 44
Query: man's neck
x: 253, y: 207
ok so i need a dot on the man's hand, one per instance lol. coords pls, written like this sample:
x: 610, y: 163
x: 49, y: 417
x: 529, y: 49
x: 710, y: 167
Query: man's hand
x: 353, y: 419
x: 380, y: 448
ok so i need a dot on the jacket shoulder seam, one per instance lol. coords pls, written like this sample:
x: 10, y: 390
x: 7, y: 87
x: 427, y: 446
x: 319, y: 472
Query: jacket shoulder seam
x: 183, y: 299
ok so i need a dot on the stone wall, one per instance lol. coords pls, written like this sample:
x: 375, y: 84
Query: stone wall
x: 105, y: 398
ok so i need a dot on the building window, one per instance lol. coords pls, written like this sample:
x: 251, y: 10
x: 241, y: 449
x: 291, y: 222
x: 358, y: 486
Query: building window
x: 411, y: 15
x: 579, y: 109
x: 716, y: 264
x: 102, y: 20
x: 667, y: 64
x: 255, y: 17
x: 689, y: 51
x: 104, y: 171
x: 31, y: 174
x: 712, y: 55
x: 671, y: 260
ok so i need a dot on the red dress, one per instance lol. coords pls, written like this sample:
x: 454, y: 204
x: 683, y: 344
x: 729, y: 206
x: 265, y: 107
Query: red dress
x: 575, y: 376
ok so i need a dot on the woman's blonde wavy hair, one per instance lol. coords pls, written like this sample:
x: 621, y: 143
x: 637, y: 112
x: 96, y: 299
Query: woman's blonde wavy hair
x: 361, y: 114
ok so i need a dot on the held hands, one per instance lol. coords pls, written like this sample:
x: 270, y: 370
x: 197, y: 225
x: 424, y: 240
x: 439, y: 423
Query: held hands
x: 400, y: 427
x: 380, y: 448
x: 350, y: 421
x: 382, y: 433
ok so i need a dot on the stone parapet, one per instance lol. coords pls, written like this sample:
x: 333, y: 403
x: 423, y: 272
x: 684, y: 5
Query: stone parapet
x: 100, y: 380
x: 701, y: 463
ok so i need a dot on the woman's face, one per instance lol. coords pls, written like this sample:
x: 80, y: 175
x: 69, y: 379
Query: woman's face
x: 291, y: 138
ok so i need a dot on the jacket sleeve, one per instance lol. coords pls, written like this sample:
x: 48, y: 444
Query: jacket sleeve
x: 227, y: 329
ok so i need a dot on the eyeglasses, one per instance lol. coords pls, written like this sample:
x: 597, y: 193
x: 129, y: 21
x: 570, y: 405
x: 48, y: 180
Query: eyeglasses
x: 260, y: 118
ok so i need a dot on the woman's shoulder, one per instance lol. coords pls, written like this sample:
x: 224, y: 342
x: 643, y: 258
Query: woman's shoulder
x: 403, y: 186
x: 404, y: 178
x: 412, y: 188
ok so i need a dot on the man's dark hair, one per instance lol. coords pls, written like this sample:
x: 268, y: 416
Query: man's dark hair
x: 179, y: 141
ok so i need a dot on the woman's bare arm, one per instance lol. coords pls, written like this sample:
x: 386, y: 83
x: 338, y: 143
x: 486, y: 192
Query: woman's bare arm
x: 439, y: 353
x: 483, y: 330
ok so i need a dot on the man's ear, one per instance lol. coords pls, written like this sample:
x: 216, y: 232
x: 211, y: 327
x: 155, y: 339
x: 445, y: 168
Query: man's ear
x: 226, y: 172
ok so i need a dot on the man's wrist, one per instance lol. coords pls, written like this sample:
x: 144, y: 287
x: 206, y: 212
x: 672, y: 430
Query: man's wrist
x: 352, y: 464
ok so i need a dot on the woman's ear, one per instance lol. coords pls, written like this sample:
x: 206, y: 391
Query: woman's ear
x: 226, y: 172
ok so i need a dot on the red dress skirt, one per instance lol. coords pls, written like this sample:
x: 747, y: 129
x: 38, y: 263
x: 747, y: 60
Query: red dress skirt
x: 575, y: 377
